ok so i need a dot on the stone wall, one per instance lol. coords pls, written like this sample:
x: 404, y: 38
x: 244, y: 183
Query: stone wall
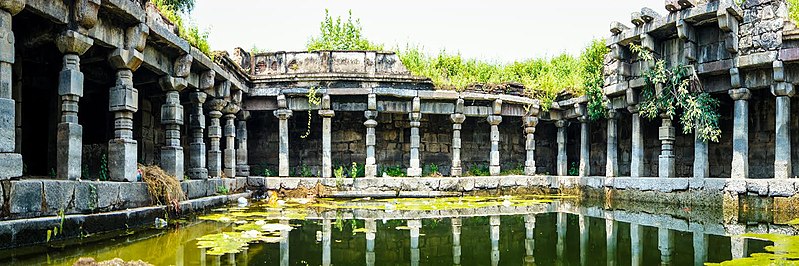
x: 761, y: 28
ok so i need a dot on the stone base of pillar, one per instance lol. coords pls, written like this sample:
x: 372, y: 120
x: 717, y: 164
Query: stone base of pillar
x: 10, y: 165
x: 494, y: 170
x: 8, y: 125
x: 197, y: 173
x: 122, y: 164
x: 172, y: 161
x: 215, y: 163
x: 456, y: 171
x: 666, y: 166
x: 529, y: 170
x: 69, y: 151
x: 415, y: 172
x: 230, y: 163
x: 370, y: 170
x: 242, y: 170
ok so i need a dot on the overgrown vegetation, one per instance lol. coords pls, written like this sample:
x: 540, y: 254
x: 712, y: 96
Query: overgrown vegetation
x: 172, y: 10
x: 677, y: 90
x: 543, y: 78
x: 478, y: 170
x: 338, y: 34
x: 793, y: 10
x: 394, y: 171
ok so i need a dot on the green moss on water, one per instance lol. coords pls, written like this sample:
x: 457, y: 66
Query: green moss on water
x: 784, y: 251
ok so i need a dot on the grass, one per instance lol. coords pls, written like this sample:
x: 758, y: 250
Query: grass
x: 542, y: 78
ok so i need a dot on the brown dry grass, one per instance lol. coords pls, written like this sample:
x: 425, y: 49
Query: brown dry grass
x: 163, y: 188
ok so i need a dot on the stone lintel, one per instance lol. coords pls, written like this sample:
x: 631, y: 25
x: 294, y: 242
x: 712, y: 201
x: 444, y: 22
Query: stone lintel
x: 756, y: 60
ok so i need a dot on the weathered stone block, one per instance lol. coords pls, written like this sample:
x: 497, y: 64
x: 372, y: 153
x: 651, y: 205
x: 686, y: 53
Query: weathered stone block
x: 122, y: 160
x: 10, y: 165
x: 25, y: 197
x: 69, y: 151
x: 70, y: 82
x: 781, y: 188
x: 172, y: 161
x: 196, y: 188
x: 58, y: 196
x: 255, y: 182
x: 7, y: 125
x: 134, y: 194
x: 123, y: 98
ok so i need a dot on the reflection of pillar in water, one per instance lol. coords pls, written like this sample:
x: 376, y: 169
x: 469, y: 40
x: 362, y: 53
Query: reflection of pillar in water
x: 611, y: 231
x: 456, y: 241
x: 284, y: 245
x: 738, y: 247
x: 179, y: 254
x: 561, y: 246
x: 636, y: 245
x: 231, y: 259
x: 326, y: 232
x: 202, y: 257
x: 529, y: 239
x: 415, y: 225
x: 583, y: 221
x: 700, y: 248
x: 217, y: 261
x: 665, y: 245
x: 494, y: 221
x: 371, y: 230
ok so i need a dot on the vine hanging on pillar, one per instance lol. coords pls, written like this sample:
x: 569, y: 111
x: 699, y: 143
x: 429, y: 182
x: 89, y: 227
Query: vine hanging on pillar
x: 676, y: 90
x: 313, y: 100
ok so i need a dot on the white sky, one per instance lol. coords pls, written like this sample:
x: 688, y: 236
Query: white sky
x: 497, y: 30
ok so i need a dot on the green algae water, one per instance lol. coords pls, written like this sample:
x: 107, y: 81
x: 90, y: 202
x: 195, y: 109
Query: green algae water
x: 448, y: 231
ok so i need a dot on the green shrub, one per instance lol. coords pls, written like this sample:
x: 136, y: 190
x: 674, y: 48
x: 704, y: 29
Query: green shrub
x: 517, y: 169
x: 394, y: 171
x: 431, y: 170
x: 574, y: 170
x: 478, y: 170
x: 171, y: 9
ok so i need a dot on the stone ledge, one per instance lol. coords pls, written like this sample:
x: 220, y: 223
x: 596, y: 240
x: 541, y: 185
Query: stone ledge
x: 23, y: 232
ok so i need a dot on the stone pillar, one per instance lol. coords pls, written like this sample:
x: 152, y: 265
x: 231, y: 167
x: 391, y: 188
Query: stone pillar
x: 123, y: 102
x: 562, y: 165
x: 611, y: 233
x: 529, y: 240
x: 636, y: 244
x: 665, y: 245
x: 782, y: 143
x: 415, y: 116
x: 371, y: 230
x: 10, y: 160
x: 215, y: 107
x: 172, y: 116
x: 283, y: 114
x: 666, y: 158
x: 457, y: 123
x: 700, y: 248
x: 701, y: 161
x: 612, y: 159
x: 585, y: 146
x: 494, y: 222
x: 70, y: 87
x: 197, y: 161
x: 530, y: 121
x: 415, y: 226
x: 230, y: 112
x: 456, y: 241
x: 740, y: 133
x: 370, y: 168
x: 242, y: 164
x: 494, y: 167
x: 327, y: 114
x: 637, y: 148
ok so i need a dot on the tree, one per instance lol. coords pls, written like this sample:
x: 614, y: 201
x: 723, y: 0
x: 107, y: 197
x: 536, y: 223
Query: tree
x: 335, y: 34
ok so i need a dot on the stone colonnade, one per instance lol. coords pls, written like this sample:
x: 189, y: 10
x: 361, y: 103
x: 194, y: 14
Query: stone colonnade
x: 529, y: 120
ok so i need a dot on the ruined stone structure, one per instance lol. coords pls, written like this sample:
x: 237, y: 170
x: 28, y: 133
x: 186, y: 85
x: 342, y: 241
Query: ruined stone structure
x: 90, y: 88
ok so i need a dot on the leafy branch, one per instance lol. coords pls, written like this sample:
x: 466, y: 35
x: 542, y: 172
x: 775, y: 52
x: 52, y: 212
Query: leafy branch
x: 677, y: 90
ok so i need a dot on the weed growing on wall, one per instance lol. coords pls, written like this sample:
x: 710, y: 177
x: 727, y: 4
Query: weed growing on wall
x: 172, y: 9
x: 313, y: 100
x: 677, y: 90
x: 338, y: 34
